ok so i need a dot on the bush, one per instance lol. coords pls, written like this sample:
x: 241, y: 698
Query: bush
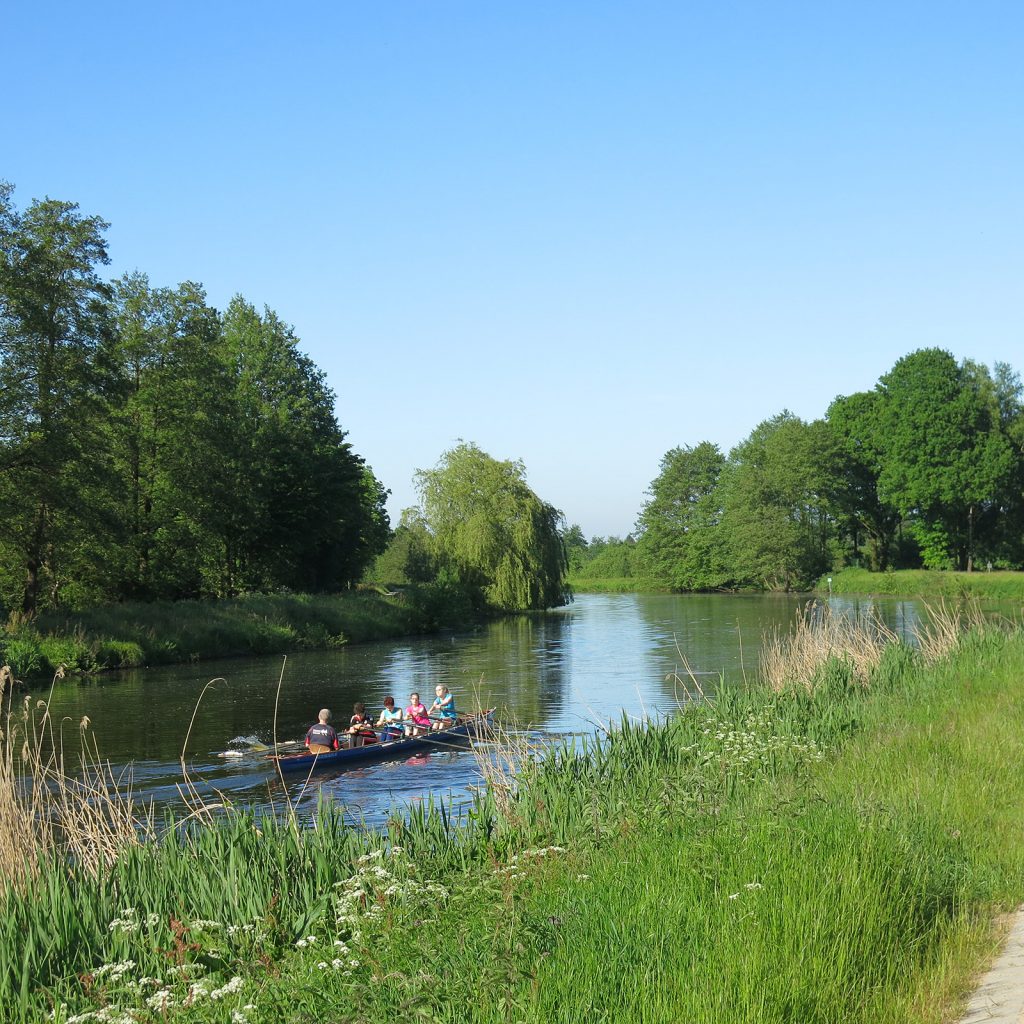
x: 23, y: 656
x: 118, y: 654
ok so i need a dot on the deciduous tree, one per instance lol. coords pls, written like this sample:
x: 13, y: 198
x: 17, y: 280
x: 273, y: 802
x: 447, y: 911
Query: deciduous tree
x: 493, y: 531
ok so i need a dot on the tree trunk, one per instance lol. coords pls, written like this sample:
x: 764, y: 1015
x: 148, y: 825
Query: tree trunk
x: 34, y: 564
x: 970, y: 538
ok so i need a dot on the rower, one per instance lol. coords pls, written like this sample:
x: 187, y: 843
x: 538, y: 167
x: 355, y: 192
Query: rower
x: 360, y: 728
x: 442, y: 710
x: 321, y: 738
x: 390, y: 721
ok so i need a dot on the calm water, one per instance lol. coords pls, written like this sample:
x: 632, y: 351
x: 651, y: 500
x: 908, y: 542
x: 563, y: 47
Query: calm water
x: 557, y: 674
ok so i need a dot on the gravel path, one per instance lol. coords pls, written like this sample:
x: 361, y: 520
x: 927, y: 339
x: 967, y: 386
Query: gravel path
x: 999, y: 997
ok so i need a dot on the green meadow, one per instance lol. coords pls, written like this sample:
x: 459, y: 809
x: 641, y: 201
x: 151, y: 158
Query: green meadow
x: 931, y: 584
x: 836, y: 849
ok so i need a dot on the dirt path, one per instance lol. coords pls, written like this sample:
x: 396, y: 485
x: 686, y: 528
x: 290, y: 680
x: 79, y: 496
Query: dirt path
x: 999, y: 997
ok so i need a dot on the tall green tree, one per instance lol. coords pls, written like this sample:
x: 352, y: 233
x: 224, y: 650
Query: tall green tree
x: 776, y: 518
x: 679, y: 543
x: 858, y: 452
x: 490, y: 528
x: 55, y: 334
x: 293, y: 504
x: 1008, y: 531
x: 946, y: 459
x: 408, y: 557
x: 166, y: 432
x: 575, y: 544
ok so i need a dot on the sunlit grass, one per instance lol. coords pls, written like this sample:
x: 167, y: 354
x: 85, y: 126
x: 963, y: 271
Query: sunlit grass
x: 995, y: 586
x: 833, y: 852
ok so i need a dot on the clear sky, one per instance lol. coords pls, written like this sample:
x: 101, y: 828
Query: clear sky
x: 578, y: 234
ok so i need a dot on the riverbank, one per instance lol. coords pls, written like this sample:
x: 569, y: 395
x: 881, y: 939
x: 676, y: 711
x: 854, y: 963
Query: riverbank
x: 835, y: 851
x: 132, y: 634
x: 611, y: 585
x: 926, y: 583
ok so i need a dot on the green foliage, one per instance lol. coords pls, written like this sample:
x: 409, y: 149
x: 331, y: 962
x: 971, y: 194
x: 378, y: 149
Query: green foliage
x: 928, y: 468
x: 607, y: 558
x: 152, y: 448
x: 492, y: 531
x: 775, y: 510
x: 55, y: 336
x: 408, y: 557
x: 575, y: 545
x: 947, y: 459
x: 680, y: 544
x: 858, y: 454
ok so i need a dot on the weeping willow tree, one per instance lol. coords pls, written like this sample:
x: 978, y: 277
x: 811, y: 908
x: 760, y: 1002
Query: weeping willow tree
x: 491, y: 529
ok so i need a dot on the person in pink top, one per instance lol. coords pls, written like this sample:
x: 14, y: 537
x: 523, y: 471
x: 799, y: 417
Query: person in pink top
x: 416, y: 714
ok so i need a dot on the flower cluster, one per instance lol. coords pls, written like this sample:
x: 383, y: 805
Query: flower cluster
x: 756, y: 747
x: 514, y: 868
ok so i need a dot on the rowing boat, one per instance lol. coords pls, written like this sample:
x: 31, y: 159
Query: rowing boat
x: 467, y: 728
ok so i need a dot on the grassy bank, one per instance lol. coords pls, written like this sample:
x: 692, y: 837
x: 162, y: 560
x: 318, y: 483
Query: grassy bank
x: 831, y: 851
x: 926, y: 583
x: 164, y: 632
x: 612, y: 585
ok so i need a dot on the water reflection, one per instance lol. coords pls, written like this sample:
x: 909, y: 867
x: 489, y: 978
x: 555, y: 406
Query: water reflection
x: 559, y: 673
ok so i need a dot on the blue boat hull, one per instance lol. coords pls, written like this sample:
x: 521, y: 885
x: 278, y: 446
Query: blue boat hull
x: 456, y: 736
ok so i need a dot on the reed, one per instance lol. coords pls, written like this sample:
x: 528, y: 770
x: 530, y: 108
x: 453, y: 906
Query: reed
x: 821, y: 639
x: 87, y: 814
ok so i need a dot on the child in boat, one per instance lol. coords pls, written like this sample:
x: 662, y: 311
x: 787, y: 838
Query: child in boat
x: 360, y: 728
x: 321, y: 737
x: 442, y: 710
x: 416, y: 714
x: 390, y: 721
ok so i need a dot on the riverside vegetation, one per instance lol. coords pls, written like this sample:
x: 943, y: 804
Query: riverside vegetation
x: 131, y: 634
x: 929, y: 584
x: 830, y: 846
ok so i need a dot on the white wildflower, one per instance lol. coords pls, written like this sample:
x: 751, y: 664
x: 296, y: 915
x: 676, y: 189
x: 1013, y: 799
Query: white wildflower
x: 227, y: 989
x: 160, y: 1000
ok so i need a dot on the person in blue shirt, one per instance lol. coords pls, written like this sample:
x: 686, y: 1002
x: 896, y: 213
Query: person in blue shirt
x: 390, y: 721
x: 442, y: 710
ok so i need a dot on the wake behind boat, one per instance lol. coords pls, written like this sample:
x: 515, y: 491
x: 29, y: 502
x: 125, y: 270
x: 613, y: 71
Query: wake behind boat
x: 466, y: 728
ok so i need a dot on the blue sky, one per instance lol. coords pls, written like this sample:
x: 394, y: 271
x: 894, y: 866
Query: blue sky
x: 578, y: 234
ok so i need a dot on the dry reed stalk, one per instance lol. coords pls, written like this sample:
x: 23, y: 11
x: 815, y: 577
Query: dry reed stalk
x: 943, y: 627
x: 190, y: 795
x: 500, y: 761
x: 679, y: 683
x: 45, y: 810
x: 501, y: 758
x: 795, y: 659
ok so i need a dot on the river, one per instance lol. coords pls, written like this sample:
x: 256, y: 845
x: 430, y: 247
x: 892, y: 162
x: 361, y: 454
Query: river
x: 557, y: 674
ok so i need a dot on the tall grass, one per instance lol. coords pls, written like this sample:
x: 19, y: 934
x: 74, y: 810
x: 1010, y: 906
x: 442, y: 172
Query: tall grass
x: 822, y: 640
x: 48, y: 810
x: 816, y: 852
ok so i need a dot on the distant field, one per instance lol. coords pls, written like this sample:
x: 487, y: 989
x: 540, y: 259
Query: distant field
x: 999, y: 586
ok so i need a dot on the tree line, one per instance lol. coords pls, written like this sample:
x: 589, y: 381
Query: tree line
x: 926, y: 469
x: 152, y: 446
